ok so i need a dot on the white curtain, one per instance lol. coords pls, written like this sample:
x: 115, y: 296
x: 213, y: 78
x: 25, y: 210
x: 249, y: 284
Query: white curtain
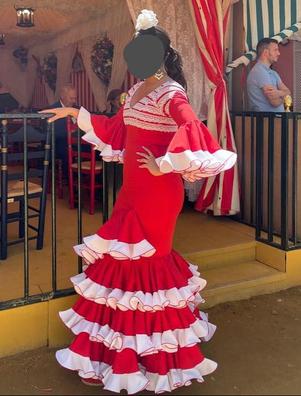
x: 65, y: 57
x: 174, y: 17
x: 120, y: 38
x: 99, y: 89
x: 19, y: 82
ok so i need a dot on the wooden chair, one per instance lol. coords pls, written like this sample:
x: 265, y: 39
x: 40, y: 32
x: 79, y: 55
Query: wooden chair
x: 90, y: 169
x: 12, y: 183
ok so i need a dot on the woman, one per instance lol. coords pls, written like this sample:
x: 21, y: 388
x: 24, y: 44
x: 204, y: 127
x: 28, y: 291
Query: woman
x: 136, y: 322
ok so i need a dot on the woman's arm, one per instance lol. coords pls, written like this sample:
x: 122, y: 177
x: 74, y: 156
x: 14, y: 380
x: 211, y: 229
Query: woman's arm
x: 61, y: 112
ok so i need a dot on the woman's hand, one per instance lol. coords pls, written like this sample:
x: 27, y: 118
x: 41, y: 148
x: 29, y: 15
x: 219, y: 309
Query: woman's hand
x: 149, y: 162
x: 61, y: 112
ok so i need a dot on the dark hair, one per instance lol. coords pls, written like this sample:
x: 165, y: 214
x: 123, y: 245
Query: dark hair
x: 113, y: 94
x: 172, y: 59
x: 264, y: 44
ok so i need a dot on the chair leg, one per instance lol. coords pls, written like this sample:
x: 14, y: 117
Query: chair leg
x: 92, y: 195
x: 60, y: 179
x: 71, y: 189
x: 3, y: 239
x: 21, y: 221
x: 41, y: 225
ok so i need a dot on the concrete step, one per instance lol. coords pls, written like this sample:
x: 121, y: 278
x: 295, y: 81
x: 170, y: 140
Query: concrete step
x: 216, y: 258
x: 237, y: 282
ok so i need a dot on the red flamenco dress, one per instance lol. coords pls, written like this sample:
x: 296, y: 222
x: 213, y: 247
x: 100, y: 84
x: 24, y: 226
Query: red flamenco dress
x: 136, y: 322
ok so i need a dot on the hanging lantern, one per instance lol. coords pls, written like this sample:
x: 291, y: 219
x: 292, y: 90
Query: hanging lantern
x: 25, y: 16
x: 2, y: 37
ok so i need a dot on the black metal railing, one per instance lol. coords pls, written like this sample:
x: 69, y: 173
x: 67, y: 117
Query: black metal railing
x: 112, y: 176
x: 268, y: 162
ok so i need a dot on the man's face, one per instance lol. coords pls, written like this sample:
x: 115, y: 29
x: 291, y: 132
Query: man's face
x: 69, y: 97
x: 273, y: 53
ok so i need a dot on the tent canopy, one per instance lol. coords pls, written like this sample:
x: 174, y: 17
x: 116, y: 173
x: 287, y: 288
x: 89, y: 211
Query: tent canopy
x: 51, y: 18
x: 278, y: 19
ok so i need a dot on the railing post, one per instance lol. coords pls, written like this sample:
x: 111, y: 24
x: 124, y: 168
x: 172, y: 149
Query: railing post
x: 3, y: 247
x: 53, y: 211
x: 25, y: 184
x: 271, y: 177
x: 252, y: 176
x: 295, y: 180
x: 284, y: 182
x: 259, y: 173
x: 79, y: 198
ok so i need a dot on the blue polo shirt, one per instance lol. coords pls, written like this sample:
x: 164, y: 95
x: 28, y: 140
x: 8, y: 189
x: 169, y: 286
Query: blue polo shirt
x: 259, y: 76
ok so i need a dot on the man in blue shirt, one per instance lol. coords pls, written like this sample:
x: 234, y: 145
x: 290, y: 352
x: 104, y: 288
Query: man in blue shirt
x: 266, y: 91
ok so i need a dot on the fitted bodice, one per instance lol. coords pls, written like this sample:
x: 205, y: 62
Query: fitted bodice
x: 151, y: 112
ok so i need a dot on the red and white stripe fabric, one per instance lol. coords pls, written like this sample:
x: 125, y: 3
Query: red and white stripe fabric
x: 39, y: 98
x: 85, y: 95
x: 81, y: 82
x: 219, y: 194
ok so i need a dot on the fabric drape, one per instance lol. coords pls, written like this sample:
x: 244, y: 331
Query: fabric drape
x: 219, y: 194
x: 65, y: 57
x: 19, y: 82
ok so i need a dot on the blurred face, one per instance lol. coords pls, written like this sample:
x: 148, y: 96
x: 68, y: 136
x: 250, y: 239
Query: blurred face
x: 69, y: 97
x: 144, y: 55
x: 272, y: 53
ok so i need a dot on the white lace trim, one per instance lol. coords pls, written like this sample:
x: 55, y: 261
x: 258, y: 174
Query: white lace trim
x: 157, y: 119
x: 138, y: 123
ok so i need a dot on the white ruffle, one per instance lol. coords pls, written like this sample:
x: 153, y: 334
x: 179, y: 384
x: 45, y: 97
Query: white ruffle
x: 106, y: 150
x: 177, y: 378
x: 125, y: 300
x: 199, y: 163
x: 94, y: 247
x: 142, y: 344
x: 133, y: 382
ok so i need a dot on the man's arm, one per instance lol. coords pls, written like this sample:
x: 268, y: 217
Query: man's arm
x: 275, y: 95
x: 283, y: 89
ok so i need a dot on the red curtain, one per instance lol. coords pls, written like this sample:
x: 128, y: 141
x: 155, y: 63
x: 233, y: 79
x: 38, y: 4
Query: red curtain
x: 219, y: 194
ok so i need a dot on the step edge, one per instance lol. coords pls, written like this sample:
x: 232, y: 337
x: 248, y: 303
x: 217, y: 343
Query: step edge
x: 220, y: 251
x: 247, y: 283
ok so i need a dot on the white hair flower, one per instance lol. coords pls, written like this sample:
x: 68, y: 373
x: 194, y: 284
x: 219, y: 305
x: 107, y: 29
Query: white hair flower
x: 146, y: 19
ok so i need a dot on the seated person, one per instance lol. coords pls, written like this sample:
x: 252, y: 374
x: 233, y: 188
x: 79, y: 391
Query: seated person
x: 113, y: 101
x: 68, y: 98
x: 266, y: 91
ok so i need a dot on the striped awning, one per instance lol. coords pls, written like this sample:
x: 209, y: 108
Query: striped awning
x: 277, y: 19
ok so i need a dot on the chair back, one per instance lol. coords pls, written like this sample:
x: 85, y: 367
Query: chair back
x: 25, y: 153
x: 86, y: 151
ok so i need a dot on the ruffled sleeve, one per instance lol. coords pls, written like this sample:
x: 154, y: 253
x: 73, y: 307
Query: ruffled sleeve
x: 193, y: 151
x: 107, y: 134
